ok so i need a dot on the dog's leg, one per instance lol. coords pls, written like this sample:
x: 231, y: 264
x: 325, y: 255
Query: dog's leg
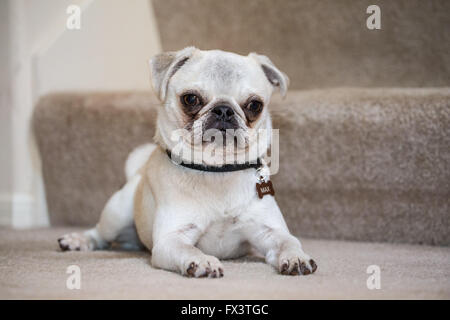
x: 271, y: 237
x: 116, y: 224
x: 174, y: 250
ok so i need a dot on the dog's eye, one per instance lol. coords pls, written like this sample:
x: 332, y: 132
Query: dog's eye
x: 190, y: 100
x: 254, y: 106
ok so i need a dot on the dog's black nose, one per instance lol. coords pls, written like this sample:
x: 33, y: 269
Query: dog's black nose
x: 224, y: 113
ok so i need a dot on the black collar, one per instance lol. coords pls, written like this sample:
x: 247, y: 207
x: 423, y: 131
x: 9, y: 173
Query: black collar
x: 223, y: 168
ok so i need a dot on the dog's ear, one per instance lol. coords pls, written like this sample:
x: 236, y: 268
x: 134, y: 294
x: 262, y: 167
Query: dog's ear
x: 274, y: 75
x: 164, y: 65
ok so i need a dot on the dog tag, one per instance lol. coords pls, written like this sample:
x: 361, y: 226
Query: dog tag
x: 265, y: 188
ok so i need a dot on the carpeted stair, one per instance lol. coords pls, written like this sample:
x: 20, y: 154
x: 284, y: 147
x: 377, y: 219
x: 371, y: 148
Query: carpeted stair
x: 355, y: 164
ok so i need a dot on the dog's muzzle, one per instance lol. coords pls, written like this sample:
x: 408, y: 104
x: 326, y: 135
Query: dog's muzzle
x: 221, y: 118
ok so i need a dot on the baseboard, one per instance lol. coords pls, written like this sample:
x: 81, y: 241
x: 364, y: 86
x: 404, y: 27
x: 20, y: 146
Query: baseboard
x: 5, y: 210
x: 16, y: 210
x: 22, y: 211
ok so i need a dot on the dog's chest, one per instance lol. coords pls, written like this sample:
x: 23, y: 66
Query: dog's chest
x: 231, y: 193
x: 223, y: 237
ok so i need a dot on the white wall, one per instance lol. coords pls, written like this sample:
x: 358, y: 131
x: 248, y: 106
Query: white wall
x: 109, y: 52
x: 5, y: 116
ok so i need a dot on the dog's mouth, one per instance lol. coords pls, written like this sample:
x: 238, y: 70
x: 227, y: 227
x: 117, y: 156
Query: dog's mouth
x: 210, y: 131
x: 226, y: 133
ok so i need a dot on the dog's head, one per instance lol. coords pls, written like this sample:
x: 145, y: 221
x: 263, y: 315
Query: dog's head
x: 215, y: 99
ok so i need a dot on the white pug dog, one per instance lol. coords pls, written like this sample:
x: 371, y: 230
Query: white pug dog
x: 190, y: 210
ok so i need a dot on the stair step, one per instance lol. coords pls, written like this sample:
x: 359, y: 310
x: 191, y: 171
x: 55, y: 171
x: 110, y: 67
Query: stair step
x: 355, y: 164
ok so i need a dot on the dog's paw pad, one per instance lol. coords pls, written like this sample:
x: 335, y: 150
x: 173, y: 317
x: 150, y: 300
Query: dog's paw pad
x: 304, y: 269
x: 74, y: 242
x: 313, y: 265
x: 297, y: 266
x: 191, y: 269
x: 284, y: 267
x: 205, y: 267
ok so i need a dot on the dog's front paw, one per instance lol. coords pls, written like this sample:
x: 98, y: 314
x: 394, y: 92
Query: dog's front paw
x: 206, y: 266
x: 75, y: 242
x: 296, y: 264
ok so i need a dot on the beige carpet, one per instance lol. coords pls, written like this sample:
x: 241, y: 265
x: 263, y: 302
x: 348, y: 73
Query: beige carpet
x: 32, y: 267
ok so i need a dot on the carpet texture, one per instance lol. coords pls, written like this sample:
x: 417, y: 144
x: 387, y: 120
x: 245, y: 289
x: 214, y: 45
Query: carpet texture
x: 355, y: 164
x: 366, y: 164
x: 32, y: 267
x: 321, y: 43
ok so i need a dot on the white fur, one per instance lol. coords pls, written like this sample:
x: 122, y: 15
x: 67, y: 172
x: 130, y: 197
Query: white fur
x: 137, y: 158
x: 190, y: 219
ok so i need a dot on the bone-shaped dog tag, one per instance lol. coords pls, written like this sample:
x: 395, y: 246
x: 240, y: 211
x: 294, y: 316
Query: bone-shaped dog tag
x: 265, y: 188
